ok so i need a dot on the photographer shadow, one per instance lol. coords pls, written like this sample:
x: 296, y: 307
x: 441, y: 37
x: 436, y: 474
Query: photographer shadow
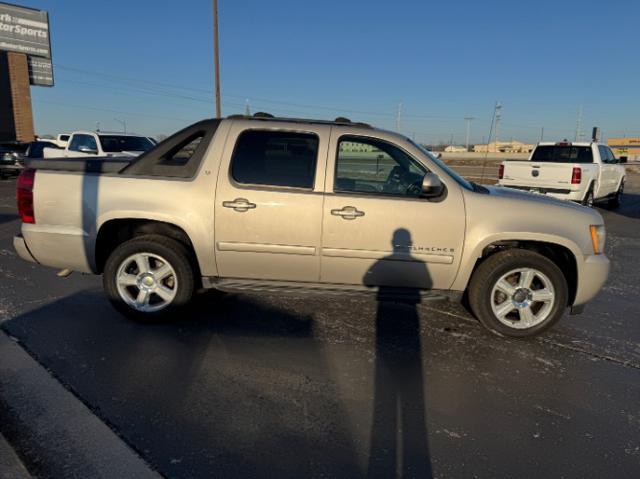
x: 398, y: 441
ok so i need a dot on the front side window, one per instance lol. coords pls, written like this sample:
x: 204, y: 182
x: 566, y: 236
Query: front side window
x: 604, y: 154
x: 275, y: 158
x: 83, y: 143
x: 366, y: 165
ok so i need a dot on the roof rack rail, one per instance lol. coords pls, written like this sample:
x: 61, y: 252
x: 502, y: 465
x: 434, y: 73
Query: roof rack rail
x: 261, y: 115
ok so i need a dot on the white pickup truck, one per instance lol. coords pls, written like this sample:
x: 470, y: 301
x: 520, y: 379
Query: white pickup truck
x: 582, y: 172
x: 87, y: 143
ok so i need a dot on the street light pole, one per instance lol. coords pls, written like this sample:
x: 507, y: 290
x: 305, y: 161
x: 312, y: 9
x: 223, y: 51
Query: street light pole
x: 468, y: 120
x: 123, y: 123
x: 216, y: 56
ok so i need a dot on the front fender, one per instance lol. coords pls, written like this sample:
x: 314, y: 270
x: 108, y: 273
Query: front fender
x: 471, y: 255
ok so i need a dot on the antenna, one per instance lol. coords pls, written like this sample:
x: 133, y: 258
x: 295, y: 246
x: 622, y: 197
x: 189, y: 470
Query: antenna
x: 398, y: 117
x: 468, y: 120
x: 247, y: 109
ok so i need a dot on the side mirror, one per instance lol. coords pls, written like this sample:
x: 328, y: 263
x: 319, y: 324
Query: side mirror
x: 623, y: 159
x: 86, y: 149
x: 432, y: 187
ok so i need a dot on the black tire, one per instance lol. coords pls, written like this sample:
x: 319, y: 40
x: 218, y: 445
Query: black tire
x: 178, y: 257
x: 589, y: 199
x: 616, y: 201
x: 489, y: 272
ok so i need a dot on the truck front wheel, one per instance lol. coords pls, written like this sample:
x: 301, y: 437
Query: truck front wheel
x: 518, y: 293
x: 149, y: 277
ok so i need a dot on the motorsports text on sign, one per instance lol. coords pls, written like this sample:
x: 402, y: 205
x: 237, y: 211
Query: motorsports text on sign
x: 24, y: 30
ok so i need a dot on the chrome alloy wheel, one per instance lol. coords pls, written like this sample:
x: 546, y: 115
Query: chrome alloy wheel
x: 522, y: 298
x: 146, y: 282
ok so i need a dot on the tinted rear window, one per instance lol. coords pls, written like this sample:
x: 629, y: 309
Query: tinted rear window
x: 563, y: 154
x: 114, y: 143
x: 275, y: 158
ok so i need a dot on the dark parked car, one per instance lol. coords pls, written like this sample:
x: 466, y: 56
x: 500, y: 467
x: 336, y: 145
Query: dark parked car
x: 36, y: 148
x: 11, y: 158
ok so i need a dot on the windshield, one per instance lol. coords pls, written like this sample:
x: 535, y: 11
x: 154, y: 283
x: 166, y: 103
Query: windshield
x: 458, y: 179
x: 563, y: 154
x: 116, y: 143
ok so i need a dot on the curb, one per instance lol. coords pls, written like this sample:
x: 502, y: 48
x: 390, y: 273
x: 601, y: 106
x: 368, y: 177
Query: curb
x: 56, y: 434
x: 10, y: 465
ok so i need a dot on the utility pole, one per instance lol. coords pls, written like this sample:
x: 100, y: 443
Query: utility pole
x: 123, y: 123
x: 216, y: 56
x: 398, y: 117
x: 498, y: 117
x: 468, y: 120
x: 451, y: 140
x: 579, y: 125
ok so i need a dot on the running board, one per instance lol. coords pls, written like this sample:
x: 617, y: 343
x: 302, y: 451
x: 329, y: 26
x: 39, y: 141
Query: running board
x: 234, y: 285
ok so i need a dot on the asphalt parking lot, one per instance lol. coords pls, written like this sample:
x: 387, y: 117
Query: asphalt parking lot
x: 271, y: 386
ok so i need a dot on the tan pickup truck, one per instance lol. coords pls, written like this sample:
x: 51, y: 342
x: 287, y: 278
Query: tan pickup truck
x: 288, y: 205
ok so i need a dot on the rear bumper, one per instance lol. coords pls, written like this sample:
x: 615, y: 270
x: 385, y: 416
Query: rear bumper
x: 20, y: 245
x: 592, y: 275
x: 559, y: 193
x: 59, y: 246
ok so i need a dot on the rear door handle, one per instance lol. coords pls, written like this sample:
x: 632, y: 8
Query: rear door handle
x: 239, y: 204
x: 348, y: 213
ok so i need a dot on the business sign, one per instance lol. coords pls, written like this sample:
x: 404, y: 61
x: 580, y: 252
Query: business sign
x: 24, y: 30
x: 40, y: 71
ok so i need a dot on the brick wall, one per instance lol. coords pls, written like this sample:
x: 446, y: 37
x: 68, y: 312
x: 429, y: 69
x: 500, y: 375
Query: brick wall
x: 16, y: 115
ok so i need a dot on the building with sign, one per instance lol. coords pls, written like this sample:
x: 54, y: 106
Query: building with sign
x: 25, y: 60
x: 504, y: 147
x: 629, y: 147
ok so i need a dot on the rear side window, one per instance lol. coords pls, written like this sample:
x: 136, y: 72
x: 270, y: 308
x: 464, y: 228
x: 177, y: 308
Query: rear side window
x: 563, y: 154
x: 179, y: 156
x: 275, y: 158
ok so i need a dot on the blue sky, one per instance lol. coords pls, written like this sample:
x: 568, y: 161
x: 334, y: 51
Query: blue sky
x: 150, y: 63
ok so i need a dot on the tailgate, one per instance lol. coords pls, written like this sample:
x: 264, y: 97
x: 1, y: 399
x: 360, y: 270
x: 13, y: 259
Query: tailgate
x: 537, y: 174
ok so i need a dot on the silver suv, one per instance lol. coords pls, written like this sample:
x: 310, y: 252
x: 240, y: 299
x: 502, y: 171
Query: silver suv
x: 290, y: 205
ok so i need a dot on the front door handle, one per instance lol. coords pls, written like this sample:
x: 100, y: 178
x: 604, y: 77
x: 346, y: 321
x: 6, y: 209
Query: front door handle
x: 239, y: 204
x: 348, y: 213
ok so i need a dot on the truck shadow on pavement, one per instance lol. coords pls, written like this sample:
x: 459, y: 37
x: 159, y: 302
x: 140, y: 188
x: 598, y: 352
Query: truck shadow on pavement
x: 236, y: 388
x: 630, y: 206
x: 7, y: 218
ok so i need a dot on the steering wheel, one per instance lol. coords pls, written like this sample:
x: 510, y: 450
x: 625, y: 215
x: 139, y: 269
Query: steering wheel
x: 415, y: 189
x: 394, y: 179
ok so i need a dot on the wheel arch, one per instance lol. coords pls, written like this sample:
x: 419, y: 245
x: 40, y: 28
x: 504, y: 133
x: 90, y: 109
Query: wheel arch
x: 116, y: 231
x: 562, y: 254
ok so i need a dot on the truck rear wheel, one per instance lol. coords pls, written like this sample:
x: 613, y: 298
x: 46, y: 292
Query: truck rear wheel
x: 149, y: 277
x: 589, y: 199
x: 518, y: 293
x: 617, y: 198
